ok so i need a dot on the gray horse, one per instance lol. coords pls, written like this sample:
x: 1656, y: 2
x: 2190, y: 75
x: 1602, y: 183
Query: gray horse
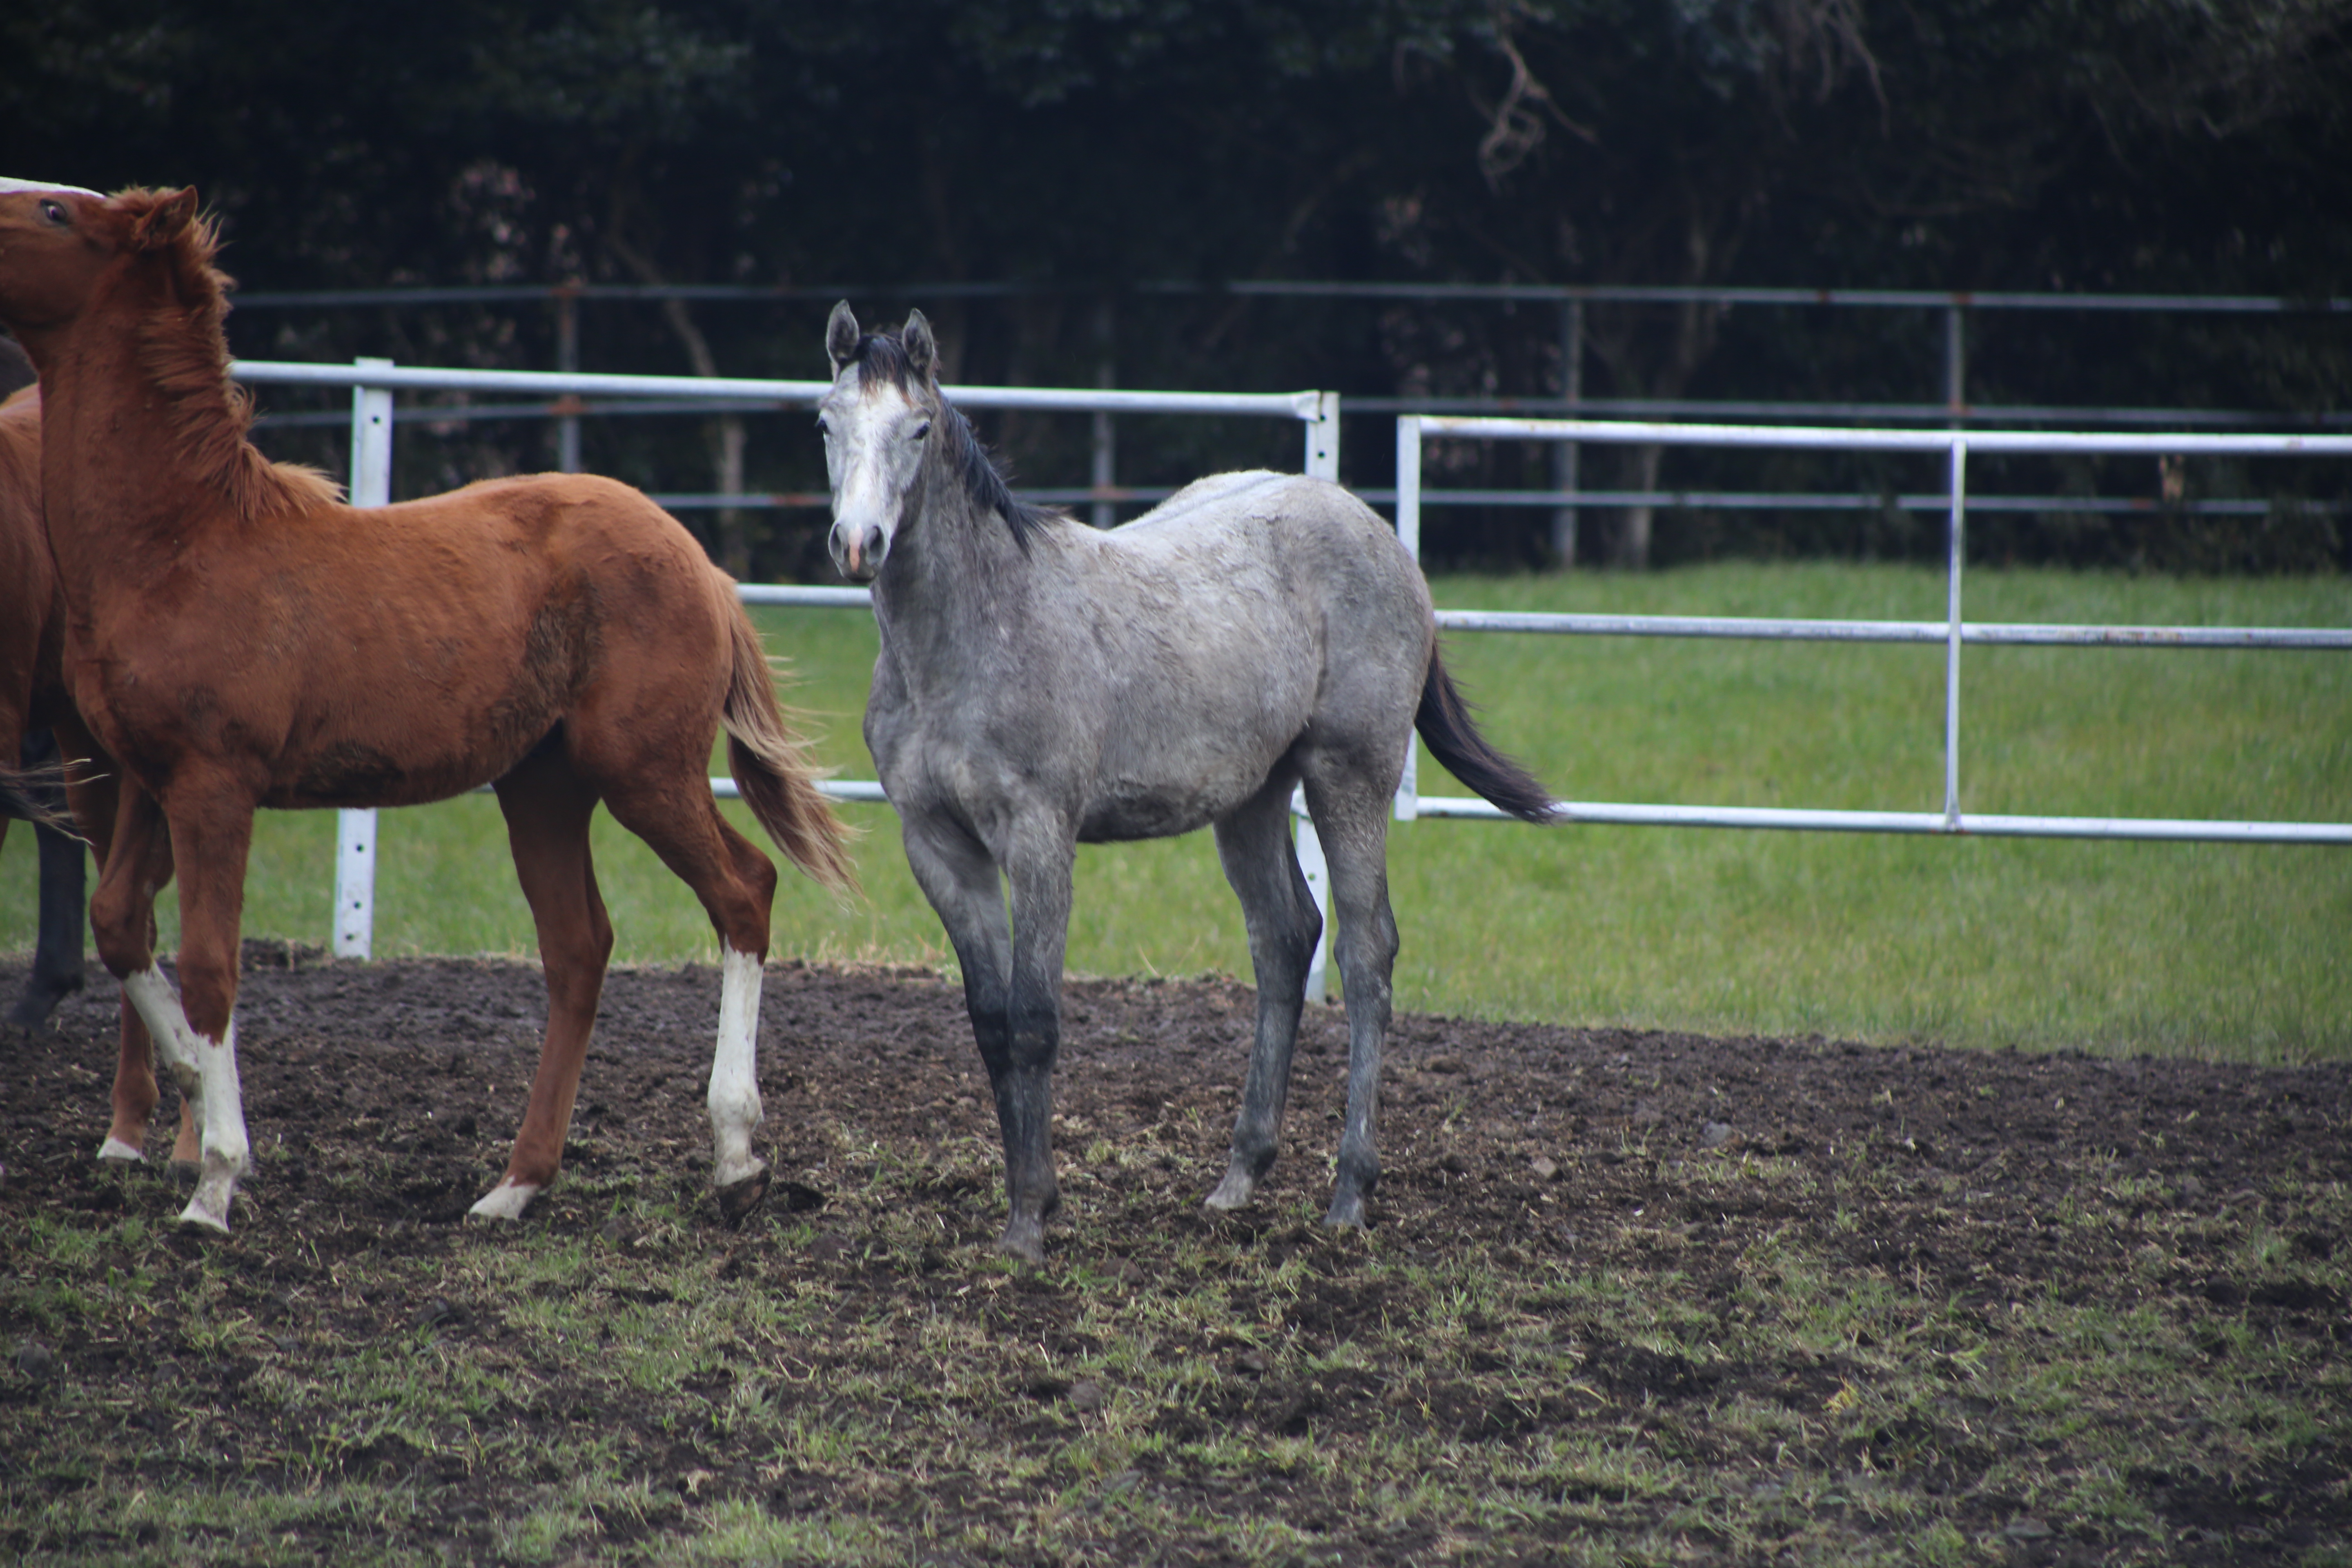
x: 1042, y: 684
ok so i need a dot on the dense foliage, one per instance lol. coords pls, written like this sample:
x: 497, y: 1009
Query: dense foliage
x: 1088, y: 147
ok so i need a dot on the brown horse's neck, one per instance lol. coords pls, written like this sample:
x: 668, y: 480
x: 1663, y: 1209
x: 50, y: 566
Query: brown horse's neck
x: 143, y: 447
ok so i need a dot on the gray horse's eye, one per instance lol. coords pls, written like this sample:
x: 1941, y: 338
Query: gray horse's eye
x: 922, y: 430
x: 823, y: 426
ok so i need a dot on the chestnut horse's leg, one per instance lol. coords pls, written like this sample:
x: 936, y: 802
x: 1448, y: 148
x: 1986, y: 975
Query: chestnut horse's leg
x: 95, y: 790
x: 737, y: 885
x: 134, y: 867
x: 547, y: 806
x: 211, y: 824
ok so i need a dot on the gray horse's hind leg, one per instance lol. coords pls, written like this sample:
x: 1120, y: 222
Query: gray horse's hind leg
x: 1353, y: 826
x: 1011, y: 990
x: 1253, y: 844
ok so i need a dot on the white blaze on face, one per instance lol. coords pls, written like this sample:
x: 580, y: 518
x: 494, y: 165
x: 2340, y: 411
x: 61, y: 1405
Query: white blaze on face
x: 735, y: 1072
x: 868, y: 456
x: 9, y: 186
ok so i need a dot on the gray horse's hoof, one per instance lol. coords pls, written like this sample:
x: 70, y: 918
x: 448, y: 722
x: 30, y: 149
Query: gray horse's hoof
x: 1346, y: 1213
x: 1025, y: 1241
x: 738, y: 1199
x: 1232, y: 1193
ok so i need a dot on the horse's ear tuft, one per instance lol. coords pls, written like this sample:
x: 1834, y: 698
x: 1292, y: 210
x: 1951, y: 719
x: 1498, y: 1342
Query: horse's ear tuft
x: 162, y: 224
x: 841, y: 336
x: 922, y: 350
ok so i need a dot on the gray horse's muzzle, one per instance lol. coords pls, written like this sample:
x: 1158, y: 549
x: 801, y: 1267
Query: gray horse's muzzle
x: 857, y: 548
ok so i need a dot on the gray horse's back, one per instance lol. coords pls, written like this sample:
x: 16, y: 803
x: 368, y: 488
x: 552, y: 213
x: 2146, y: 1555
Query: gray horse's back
x: 1310, y: 541
x: 1248, y: 612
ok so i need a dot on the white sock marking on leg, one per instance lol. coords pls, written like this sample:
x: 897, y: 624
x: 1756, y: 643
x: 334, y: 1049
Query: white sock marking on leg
x: 116, y: 1149
x: 226, y: 1154
x: 735, y: 1071
x: 158, y: 1007
x: 507, y: 1200
x: 205, y: 1070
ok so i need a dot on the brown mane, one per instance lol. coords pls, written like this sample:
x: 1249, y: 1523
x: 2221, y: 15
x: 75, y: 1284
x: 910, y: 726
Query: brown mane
x: 183, y: 348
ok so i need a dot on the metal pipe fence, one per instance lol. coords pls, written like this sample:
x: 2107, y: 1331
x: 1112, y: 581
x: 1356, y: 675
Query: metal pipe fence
x: 1953, y: 632
x: 373, y: 416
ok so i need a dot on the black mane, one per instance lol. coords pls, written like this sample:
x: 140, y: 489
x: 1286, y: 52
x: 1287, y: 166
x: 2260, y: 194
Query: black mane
x: 882, y: 354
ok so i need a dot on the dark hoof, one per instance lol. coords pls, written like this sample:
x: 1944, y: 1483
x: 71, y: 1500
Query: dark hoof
x: 32, y: 1008
x: 184, y: 1173
x: 1346, y: 1213
x: 1023, y: 1243
x: 737, y: 1200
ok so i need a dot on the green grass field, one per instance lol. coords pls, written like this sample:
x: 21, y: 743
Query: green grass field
x: 2220, y: 950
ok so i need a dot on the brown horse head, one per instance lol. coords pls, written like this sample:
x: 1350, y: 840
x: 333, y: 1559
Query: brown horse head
x: 143, y: 260
x: 60, y: 244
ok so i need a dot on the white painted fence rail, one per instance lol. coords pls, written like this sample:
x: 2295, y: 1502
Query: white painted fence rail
x: 1953, y: 632
x: 372, y: 383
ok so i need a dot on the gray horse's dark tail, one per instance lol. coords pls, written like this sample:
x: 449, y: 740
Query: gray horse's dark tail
x: 1447, y: 727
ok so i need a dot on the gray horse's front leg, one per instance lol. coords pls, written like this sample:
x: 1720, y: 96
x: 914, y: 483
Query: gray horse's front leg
x: 1253, y: 844
x: 1040, y: 877
x: 1355, y: 844
x: 960, y: 877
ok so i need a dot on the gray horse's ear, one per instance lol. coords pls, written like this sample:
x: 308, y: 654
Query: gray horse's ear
x: 922, y: 350
x: 841, y: 336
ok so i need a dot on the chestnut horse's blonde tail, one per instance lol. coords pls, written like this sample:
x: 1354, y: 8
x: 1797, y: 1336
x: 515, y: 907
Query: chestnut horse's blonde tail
x: 770, y: 764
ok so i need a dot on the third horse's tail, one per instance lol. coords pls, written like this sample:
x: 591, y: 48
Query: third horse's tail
x: 35, y: 794
x: 1448, y: 729
x: 771, y: 762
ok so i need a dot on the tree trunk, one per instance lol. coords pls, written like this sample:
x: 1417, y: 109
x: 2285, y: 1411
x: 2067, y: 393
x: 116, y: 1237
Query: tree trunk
x: 1634, y: 531
x: 723, y: 433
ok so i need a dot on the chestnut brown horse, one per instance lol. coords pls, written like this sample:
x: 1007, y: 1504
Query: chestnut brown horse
x: 237, y: 637
x: 32, y: 697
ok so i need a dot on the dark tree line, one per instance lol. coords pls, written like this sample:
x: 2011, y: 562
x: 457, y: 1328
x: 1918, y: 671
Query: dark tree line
x: 1090, y: 148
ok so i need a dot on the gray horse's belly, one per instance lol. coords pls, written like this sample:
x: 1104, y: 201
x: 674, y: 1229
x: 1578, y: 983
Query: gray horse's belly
x: 1161, y: 799
x: 1119, y: 819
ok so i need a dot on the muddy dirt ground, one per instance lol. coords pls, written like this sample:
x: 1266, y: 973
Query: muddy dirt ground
x: 1538, y: 1143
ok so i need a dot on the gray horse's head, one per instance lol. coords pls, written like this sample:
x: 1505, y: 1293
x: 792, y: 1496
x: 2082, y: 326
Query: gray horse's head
x: 878, y: 422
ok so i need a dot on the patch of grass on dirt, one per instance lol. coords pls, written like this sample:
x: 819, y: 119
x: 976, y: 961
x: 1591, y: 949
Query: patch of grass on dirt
x: 1630, y: 1298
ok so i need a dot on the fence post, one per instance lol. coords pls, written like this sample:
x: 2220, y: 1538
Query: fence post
x: 1104, y: 471
x: 1322, y: 463
x: 1955, y: 360
x: 1564, y: 454
x: 1323, y: 438
x: 567, y: 359
x: 1408, y: 525
x: 1959, y: 493
x: 354, y: 921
